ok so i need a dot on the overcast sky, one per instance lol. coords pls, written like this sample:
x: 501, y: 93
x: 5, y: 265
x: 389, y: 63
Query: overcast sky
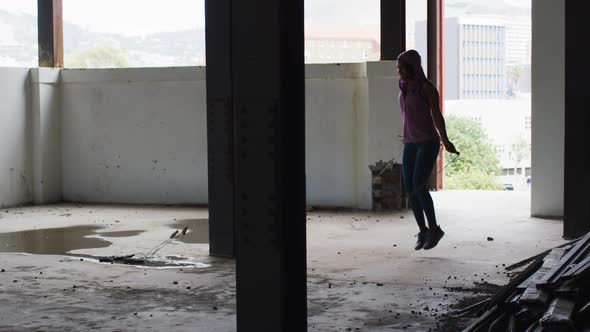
x: 141, y: 17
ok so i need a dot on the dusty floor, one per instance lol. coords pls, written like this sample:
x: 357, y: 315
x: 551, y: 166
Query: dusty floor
x: 363, y: 274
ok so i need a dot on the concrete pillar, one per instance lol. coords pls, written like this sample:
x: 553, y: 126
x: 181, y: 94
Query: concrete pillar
x: 548, y: 108
x: 269, y: 106
x: 393, y: 28
x: 220, y: 129
x: 268, y: 100
x: 577, y: 119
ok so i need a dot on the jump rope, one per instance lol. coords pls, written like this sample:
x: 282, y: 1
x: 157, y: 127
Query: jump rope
x: 418, y: 188
x: 177, y: 235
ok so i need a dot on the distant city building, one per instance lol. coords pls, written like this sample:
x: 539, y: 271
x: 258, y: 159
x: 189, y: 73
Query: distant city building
x: 518, y: 53
x: 518, y: 42
x: 474, y: 57
x: 324, y: 45
x: 332, y: 50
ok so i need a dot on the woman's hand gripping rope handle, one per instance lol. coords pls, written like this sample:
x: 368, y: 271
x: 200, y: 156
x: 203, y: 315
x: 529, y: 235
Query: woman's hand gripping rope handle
x: 455, y: 158
x: 449, y: 147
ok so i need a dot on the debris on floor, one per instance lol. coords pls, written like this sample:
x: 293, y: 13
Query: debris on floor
x: 551, y: 294
x: 150, y: 258
x: 129, y: 260
x: 387, y: 187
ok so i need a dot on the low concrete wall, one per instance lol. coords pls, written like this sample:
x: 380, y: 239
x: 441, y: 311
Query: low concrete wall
x: 134, y: 136
x: 16, y: 172
x: 385, y: 123
x: 139, y: 135
x: 336, y: 127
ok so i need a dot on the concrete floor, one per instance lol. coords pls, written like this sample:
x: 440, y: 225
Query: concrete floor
x: 363, y: 274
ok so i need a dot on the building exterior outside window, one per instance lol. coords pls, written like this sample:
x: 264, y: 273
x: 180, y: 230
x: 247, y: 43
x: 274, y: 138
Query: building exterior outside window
x: 475, y: 57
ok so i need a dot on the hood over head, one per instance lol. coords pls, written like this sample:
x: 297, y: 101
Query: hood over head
x: 413, y: 59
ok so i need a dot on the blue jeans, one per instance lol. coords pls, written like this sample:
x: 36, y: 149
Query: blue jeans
x: 417, y: 164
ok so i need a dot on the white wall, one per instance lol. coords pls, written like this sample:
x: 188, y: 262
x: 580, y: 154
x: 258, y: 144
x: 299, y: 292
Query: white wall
x: 46, y: 135
x: 134, y: 135
x: 16, y: 174
x: 385, y: 122
x: 336, y: 112
x: 139, y: 135
x: 548, y: 107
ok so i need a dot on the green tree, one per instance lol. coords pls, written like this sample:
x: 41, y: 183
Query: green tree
x: 103, y: 56
x: 478, y: 165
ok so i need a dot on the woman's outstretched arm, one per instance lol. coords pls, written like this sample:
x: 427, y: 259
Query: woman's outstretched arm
x: 433, y: 98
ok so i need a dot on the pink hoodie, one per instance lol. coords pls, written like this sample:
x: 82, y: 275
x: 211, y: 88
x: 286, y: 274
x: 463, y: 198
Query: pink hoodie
x: 418, y: 122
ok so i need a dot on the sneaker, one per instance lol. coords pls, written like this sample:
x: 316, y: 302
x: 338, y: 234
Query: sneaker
x: 433, y: 239
x: 422, y: 237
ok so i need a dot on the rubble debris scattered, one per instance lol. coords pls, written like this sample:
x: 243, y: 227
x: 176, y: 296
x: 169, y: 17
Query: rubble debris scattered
x: 128, y: 259
x: 551, y: 294
x: 387, y: 187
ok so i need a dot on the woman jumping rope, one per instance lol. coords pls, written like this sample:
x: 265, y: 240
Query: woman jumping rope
x: 420, y: 106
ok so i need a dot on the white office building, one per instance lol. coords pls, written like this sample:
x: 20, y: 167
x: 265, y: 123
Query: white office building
x: 474, y: 57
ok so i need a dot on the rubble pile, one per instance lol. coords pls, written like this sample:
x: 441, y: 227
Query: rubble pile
x: 387, y: 187
x: 551, y: 294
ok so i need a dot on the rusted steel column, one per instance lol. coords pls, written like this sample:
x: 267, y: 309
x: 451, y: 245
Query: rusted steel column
x: 393, y: 28
x: 50, y: 31
x: 435, y: 72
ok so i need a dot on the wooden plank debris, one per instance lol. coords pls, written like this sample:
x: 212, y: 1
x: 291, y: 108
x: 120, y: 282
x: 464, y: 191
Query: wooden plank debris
x: 577, y: 269
x: 559, y: 314
x: 543, y: 254
x: 551, y: 294
x: 483, y: 321
x: 581, y: 249
x: 533, y: 297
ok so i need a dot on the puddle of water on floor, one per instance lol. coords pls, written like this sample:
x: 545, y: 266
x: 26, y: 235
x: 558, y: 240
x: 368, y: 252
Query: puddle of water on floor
x: 52, y: 241
x: 159, y: 264
x: 60, y: 241
x: 198, y: 230
x: 168, y: 262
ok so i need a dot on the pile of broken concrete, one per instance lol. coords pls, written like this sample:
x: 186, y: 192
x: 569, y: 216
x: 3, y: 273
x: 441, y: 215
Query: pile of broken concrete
x: 551, y: 294
x: 387, y: 187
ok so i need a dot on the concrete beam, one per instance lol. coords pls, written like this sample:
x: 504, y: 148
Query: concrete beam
x: 547, y: 108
